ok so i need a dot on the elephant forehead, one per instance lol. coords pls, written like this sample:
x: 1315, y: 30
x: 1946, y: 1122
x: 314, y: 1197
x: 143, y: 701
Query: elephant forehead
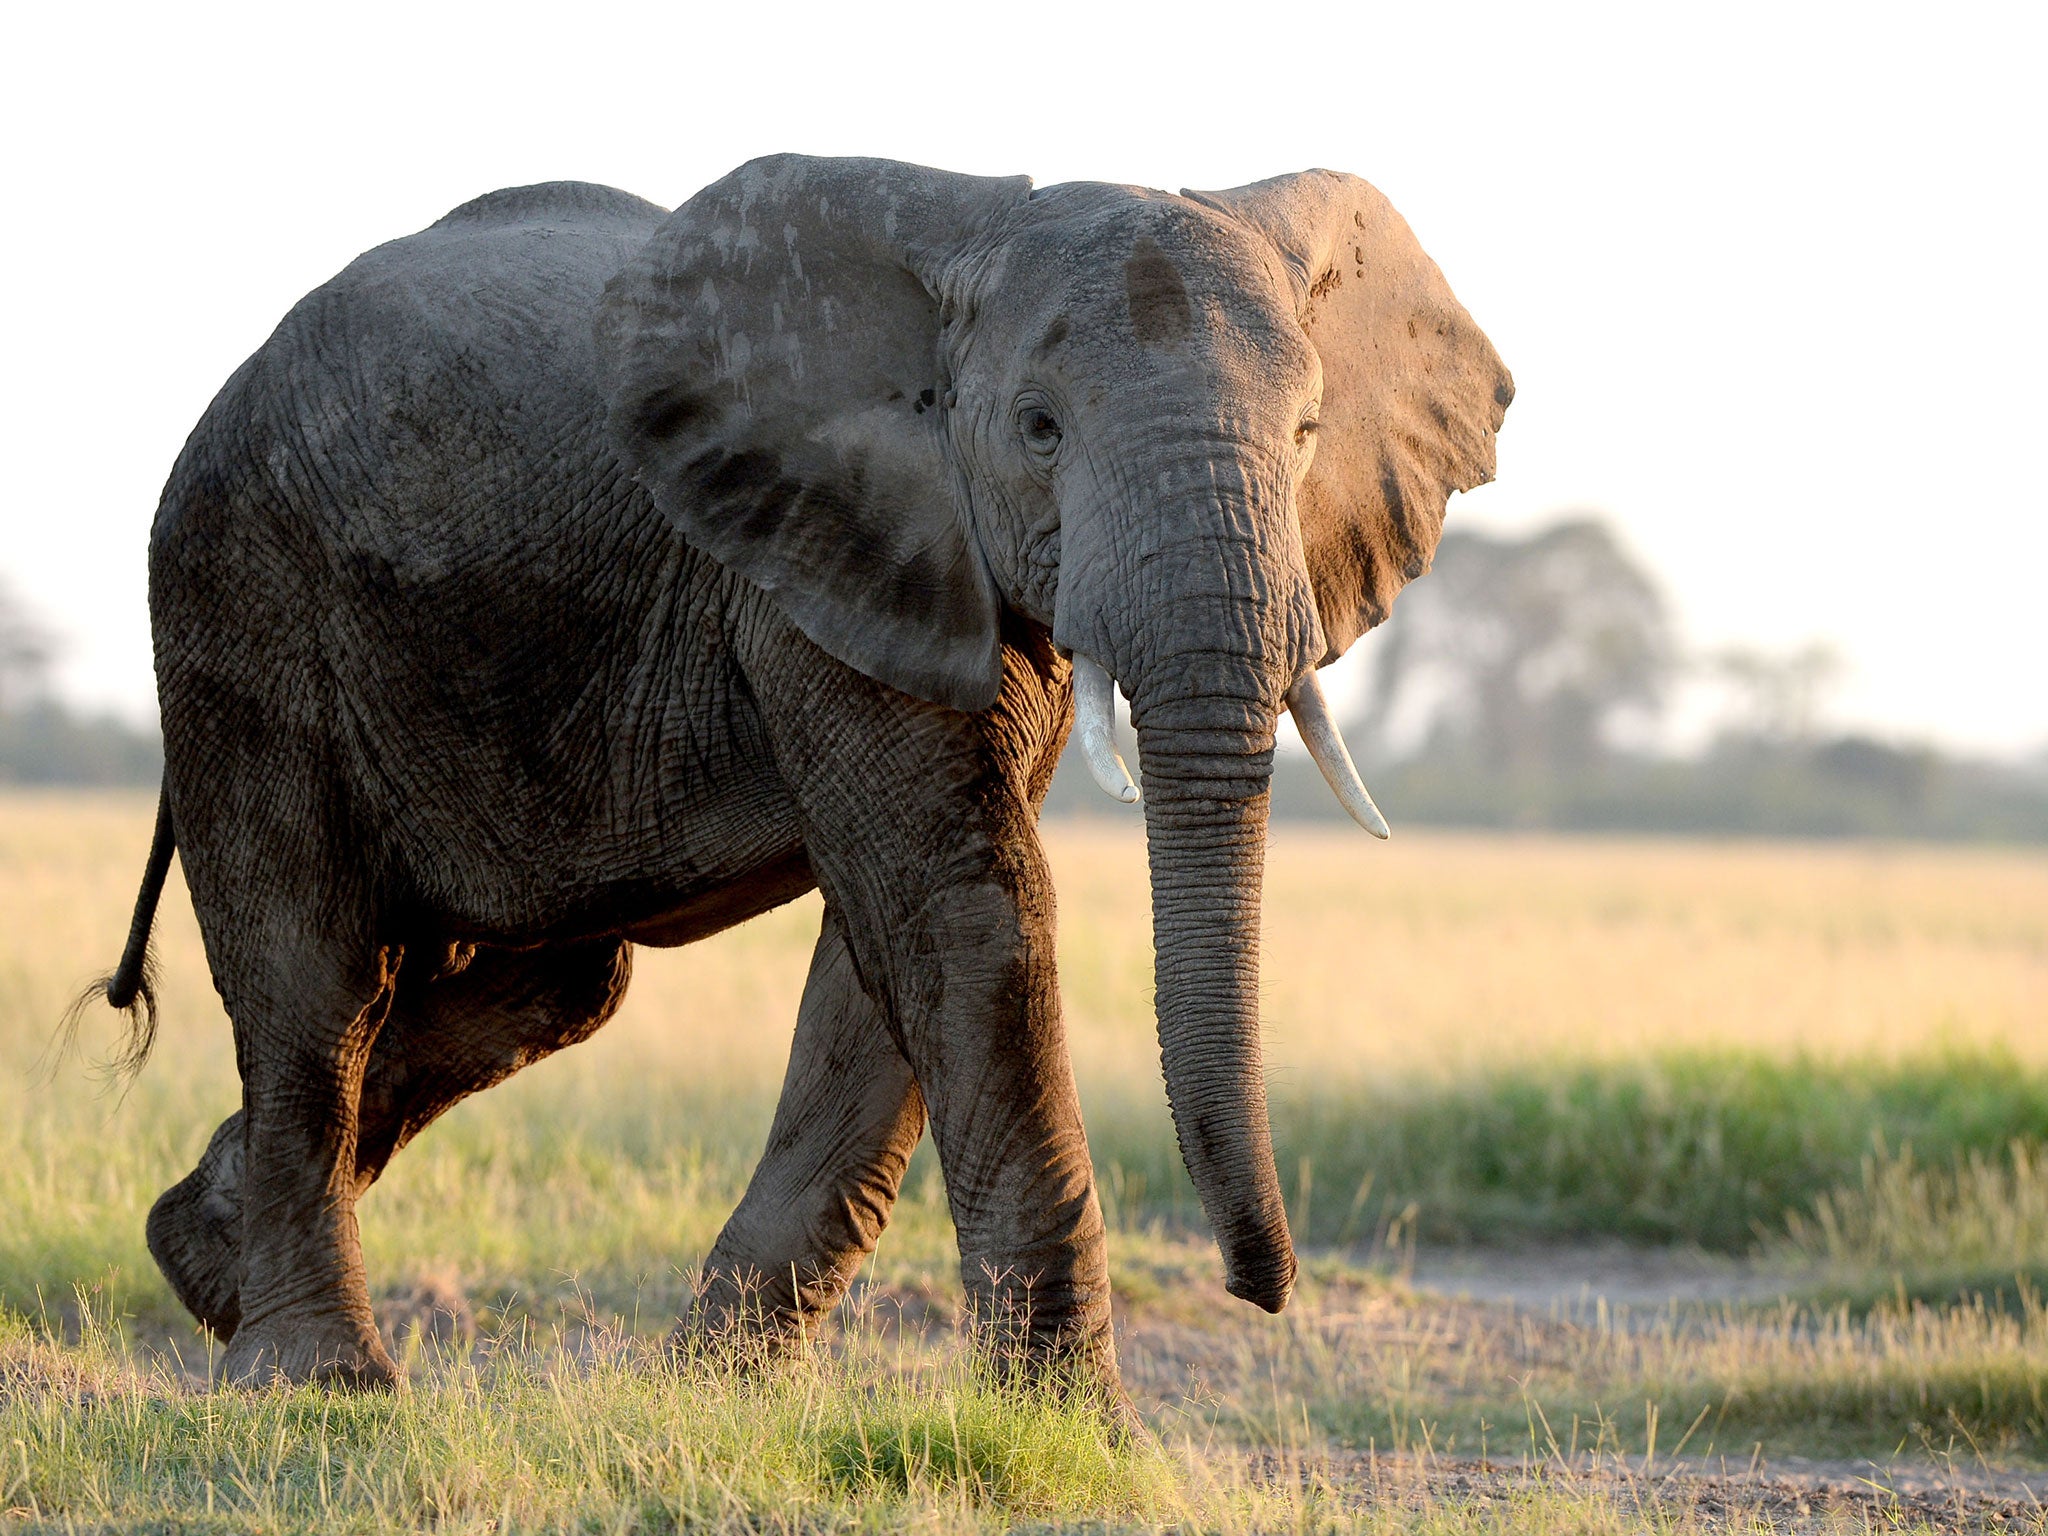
x: 1157, y: 295
x: 1116, y: 278
x: 1086, y: 227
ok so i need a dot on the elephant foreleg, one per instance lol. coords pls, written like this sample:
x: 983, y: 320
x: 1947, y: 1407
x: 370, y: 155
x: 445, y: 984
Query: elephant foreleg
x: 921, y: 826
x: 849, y: 1118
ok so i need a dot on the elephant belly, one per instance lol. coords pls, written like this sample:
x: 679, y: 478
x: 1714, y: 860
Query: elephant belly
x: 706, y: 912
x: 660, y: 826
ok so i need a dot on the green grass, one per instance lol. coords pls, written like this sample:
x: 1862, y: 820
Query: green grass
x: 595, y: 1433
x: 601, y: 1436
x: 558, y: 1192
x: 1709, y: 1149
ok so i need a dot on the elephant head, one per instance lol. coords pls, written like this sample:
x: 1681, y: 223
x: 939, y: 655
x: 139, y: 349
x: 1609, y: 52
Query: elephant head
x: 1203, y: 439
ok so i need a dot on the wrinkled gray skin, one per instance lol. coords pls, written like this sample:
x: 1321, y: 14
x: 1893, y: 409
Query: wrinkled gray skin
x: 571, y: 575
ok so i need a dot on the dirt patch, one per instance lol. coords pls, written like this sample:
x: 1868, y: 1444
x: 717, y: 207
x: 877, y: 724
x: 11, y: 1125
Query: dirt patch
x: 1788, y: 1495
x: 1577, y: 1281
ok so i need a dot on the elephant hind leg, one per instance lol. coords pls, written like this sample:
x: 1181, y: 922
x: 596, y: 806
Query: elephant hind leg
x: 449, y: 1033
x: 195, y: 1232
x: 849, y: 1118
x: 306, y: 1018
x: 455, y: 1034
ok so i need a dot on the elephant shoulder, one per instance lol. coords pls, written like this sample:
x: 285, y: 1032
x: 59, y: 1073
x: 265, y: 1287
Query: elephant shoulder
x: 441, y: 380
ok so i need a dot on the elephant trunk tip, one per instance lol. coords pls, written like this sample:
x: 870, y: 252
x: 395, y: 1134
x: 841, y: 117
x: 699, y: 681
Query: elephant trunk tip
x: 1269, y: 1287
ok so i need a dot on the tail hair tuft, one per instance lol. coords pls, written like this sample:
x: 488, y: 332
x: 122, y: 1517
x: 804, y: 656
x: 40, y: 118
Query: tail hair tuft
x: 131, y: 991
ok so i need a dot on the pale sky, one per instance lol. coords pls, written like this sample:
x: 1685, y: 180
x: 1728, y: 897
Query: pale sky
x: 1768, y: 276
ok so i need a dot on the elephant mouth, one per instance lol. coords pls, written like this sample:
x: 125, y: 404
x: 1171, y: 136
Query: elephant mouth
x: 1094, y: 724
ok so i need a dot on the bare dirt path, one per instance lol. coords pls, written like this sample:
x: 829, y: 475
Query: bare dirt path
x: 1792, y: 1494
x: 1575, y: 1279
x: 1462, y: 1325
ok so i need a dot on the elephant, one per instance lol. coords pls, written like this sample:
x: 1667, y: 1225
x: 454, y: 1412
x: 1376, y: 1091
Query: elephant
x: 575, y: 574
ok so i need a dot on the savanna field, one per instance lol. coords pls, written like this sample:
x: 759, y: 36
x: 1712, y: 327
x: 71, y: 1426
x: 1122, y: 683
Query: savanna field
x: 1795, y: 1096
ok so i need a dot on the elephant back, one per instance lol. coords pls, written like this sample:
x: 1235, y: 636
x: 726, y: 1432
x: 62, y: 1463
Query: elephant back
x: 400, y: 534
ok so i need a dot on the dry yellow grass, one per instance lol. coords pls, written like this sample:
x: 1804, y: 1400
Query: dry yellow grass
x: 1430, y: 956
x: 1439, y: 953
x: 1393, y: 973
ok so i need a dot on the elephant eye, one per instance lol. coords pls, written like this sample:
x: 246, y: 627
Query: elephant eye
x: 1040, y: 430
x: 1305, y: 431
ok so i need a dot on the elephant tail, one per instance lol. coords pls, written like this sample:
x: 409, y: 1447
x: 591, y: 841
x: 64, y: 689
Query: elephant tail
x: 132, y: 987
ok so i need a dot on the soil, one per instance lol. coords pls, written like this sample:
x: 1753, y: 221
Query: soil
x: 1468, y: 1295
x: 1792, y: 1494
x: 1576, y: 1280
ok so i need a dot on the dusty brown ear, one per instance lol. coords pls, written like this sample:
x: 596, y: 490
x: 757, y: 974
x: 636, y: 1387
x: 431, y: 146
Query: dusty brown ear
x: 1413, y: 392
x: 771, y: 362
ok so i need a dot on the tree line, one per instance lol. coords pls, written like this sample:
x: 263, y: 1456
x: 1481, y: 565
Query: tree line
x: 1528, y: 680
x: 44, y: 741
x: 1526, y: 683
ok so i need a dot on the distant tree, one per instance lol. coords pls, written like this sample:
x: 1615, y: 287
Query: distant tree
x: 1904, y: 775
x: 26, y: 652
x: 1779, y: 695
x: 1522, y: 656
x: 44, y: 742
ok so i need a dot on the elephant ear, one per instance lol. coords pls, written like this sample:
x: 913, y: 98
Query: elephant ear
x: 1413, y: 392
x: 772, y: 370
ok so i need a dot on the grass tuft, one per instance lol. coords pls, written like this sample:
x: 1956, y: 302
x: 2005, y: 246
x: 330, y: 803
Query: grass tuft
x: 1975, y: 1230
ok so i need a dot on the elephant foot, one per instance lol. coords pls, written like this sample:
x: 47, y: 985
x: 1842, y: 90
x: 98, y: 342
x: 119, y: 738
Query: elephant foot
x: 1087, y: 1377
x: 737, y: 1323
x: 339, y: 1353
x: 1121, y: 1421
x: 195, y: 1234
x: 1066, y: 1351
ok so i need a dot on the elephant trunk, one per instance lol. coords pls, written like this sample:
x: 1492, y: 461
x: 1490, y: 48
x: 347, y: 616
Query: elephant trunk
x: 1188, y: 587
x: 1206, y: 765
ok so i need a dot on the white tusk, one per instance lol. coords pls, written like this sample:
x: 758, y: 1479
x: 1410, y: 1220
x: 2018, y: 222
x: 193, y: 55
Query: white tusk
x: 1095, y: 719
x: 1326, y: 745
